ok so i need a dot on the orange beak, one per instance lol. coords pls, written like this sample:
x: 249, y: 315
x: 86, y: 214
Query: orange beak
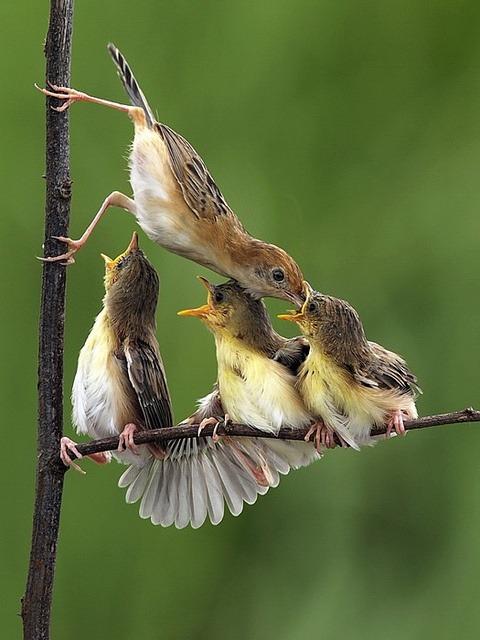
x: 293, y: 317
x: 205, y: 309
x: 200, y: 312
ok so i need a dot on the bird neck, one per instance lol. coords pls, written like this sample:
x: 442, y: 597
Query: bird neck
x: 254, y: 334
x: 131, y: 307
x: 252, y: 340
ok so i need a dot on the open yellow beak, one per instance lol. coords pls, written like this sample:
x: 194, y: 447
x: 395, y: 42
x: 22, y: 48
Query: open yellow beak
x: 200, y: 312
x: 133, y: 246
x: 293, y: 317
x: 109, y: 263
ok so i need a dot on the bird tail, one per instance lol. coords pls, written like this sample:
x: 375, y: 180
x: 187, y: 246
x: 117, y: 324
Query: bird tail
x: 130, y: 84
x: 197, y: 477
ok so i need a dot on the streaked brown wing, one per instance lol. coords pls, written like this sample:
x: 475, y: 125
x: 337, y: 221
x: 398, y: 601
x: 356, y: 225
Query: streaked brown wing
x: 385, y: 370
x: 199, y: 189
x: 147, y: 376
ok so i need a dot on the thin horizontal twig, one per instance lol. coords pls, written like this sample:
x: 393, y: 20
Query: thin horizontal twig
x: 286, y: 433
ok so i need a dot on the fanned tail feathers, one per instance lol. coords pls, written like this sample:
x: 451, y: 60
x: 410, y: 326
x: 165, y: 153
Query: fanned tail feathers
x: 197, y: 477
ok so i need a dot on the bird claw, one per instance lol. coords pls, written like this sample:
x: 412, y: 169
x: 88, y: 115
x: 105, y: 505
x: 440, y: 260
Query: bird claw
x: 226, y: 420
x: 205, y: 423
x: 323, y: 437
x: 125, y: 439
x: 63, y: 93
x: 67, y: 445
x: 67, y: 256
x: 396, y: 423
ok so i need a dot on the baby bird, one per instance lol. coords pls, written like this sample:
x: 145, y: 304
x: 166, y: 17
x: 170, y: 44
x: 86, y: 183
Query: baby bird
x: 350, y: 384
x: 120, y: 384
x: 179, y: 206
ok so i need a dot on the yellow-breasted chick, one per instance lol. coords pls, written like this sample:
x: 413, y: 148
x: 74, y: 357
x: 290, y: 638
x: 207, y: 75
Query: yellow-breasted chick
x: 349, y: 384
x: 253, y: 389
x: 179, y: 206
x: 120, y: 384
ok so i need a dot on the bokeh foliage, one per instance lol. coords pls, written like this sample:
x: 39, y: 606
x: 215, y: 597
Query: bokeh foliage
x: 348, y: 133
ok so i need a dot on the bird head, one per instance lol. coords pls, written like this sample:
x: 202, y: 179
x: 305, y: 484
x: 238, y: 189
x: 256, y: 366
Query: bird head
x: 268, y: 270
x: 330, y: 323
x: 230, y: 310
x: 309, y: 318
x: 132, y: 287
x: 122, y: 265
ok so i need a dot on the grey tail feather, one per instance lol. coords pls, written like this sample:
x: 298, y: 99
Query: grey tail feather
x: 130, y: 84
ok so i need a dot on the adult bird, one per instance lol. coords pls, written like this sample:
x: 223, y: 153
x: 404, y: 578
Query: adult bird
x: 179, y: 206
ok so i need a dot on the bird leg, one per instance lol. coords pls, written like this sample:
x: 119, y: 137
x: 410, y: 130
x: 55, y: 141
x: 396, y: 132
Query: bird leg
x: 125, y: 439
x: 115, y: 199
x: 205, y: 423
x: 72, y: 95
x: 215, y: 437
x: 324, y: 436
x: 216, y: 421
x: 67, y: 445
x: 261, y: 473
x: 396, y: 423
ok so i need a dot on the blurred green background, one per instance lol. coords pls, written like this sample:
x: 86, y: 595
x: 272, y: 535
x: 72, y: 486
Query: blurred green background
x: 348, y: 133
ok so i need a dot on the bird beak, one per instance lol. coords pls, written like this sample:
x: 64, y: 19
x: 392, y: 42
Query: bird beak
x: 109, y: 263
x: 293, y: 317
x: 297, y: 299
x: 200, y: 312
x: 206, y: 284
x: 133, y: 246
x: 205, y: 309
x: 296, y: 316
x: 307, y: 289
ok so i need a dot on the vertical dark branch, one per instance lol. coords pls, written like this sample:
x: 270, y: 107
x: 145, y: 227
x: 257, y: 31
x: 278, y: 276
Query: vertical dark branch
x: 37, y: 602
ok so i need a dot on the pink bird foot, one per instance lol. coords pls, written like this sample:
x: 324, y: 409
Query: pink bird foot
x: 324, y: 436
x: 396, y: 423
x: 125, y: 439
x: 66, y: 446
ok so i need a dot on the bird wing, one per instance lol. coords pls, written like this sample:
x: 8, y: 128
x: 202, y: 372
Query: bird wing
x: 198, y: 187
x: 292, y: 353
x: 147, y: 376
x: 131, y: 85
x: 385, y: 370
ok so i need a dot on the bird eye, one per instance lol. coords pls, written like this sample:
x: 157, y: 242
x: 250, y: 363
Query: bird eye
x: 278, y: 275
x: 312, y: 307
x: 219, y: 296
